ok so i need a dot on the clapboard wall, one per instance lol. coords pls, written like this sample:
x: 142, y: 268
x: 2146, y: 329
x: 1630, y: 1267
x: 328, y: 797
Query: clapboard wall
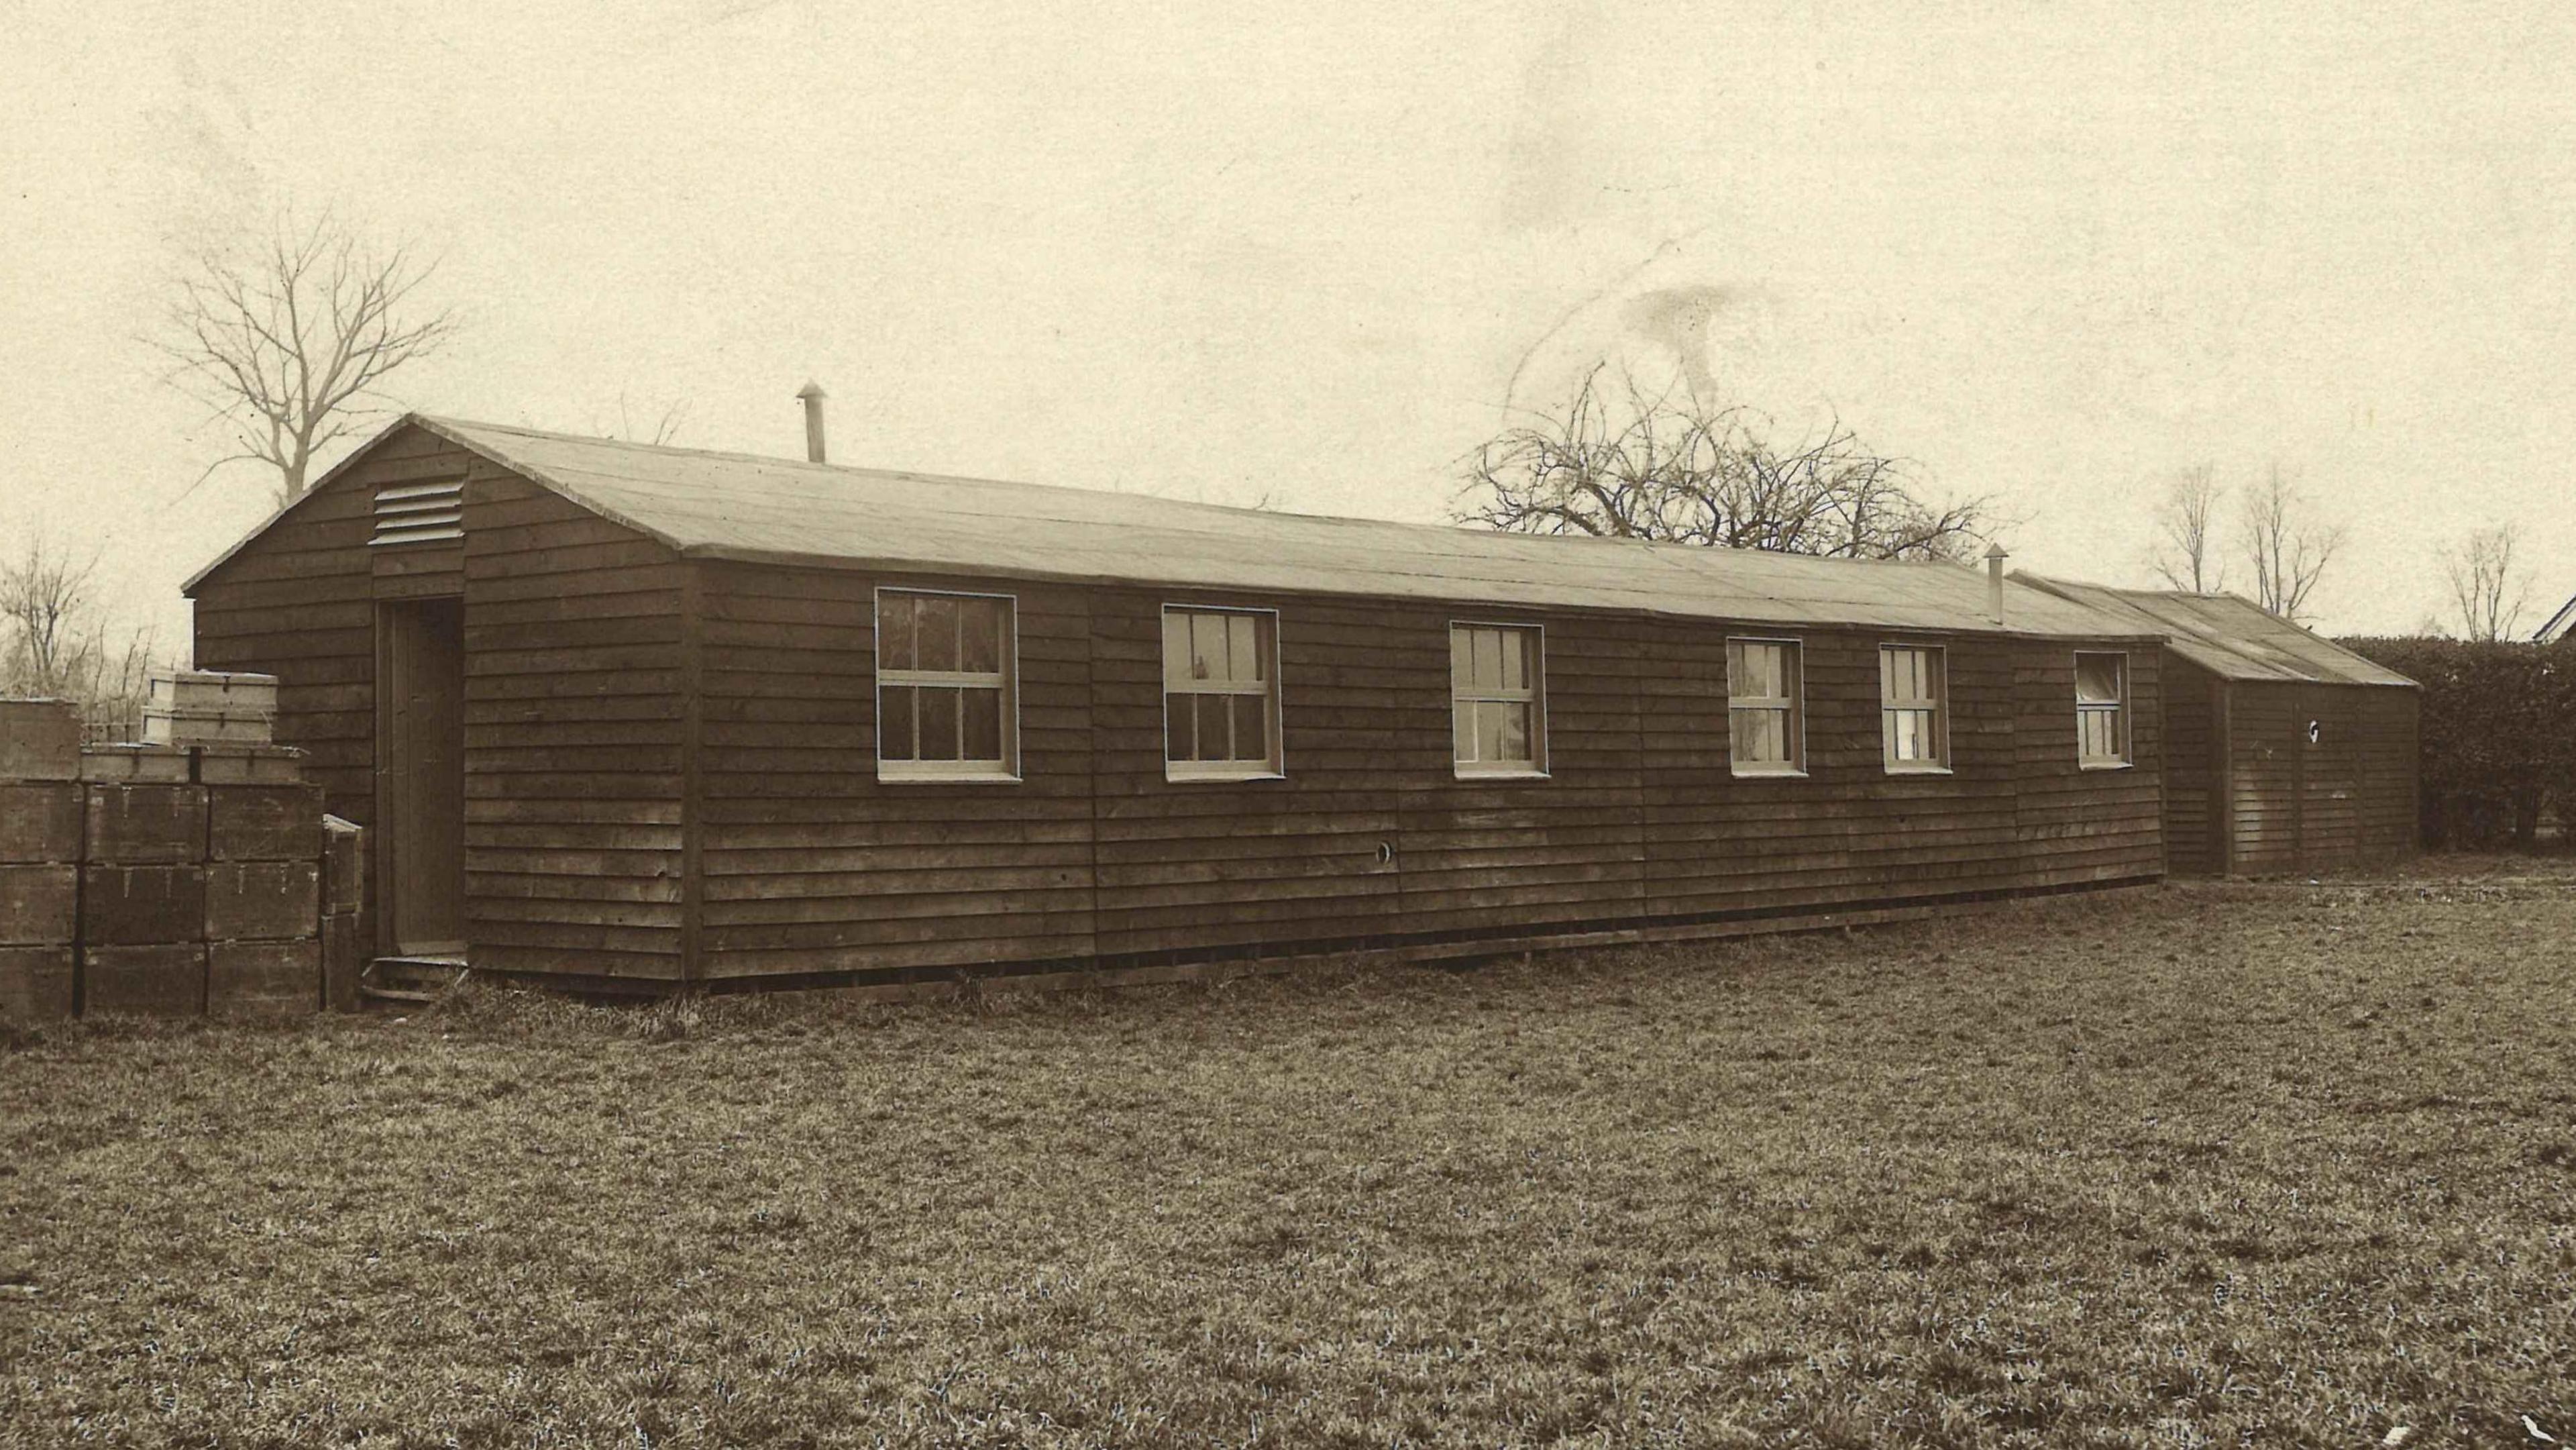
x: 2194, y: 701
x: 670, y: 764
x: 2289, y: 804
x: 813, y: 868
x: 575, y: 728
x: 574, y: 714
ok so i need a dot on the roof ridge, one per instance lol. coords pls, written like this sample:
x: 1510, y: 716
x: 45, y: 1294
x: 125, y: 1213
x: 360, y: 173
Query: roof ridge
x: 1678, y: 548
x: 723, y: 504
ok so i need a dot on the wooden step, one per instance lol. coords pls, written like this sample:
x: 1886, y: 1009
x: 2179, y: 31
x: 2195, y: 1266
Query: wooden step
x: 410, y: 979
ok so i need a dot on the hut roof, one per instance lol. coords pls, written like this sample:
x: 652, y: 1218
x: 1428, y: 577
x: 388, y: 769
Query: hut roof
x: 743, y: 506
x: 2228, y: 635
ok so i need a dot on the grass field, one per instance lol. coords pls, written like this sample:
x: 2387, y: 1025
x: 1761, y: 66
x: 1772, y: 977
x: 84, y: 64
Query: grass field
x: 2283, y: 1165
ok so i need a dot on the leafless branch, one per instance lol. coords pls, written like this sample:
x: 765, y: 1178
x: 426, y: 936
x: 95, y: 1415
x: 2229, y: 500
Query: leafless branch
x: 2485, y: 585
x: 1665, y: 464
x: 2186, y: 550
x: 53, y: 643
x: 664, y: 425
x: 290, y: 346
x: 2287, y: 545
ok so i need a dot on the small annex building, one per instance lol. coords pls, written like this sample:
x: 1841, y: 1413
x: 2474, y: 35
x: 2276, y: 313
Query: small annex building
x: 2283, y: 752
x: 638, y: 717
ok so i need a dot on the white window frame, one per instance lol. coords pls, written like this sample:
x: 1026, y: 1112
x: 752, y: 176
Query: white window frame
x: 1196, y: 772
x: 1535, y: 697
x: 2118, y: 710
x: 1938, y: 703
x: 948, y: 772
x: 1794, y: 703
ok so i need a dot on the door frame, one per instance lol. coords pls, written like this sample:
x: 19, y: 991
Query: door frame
x: 381, y: 865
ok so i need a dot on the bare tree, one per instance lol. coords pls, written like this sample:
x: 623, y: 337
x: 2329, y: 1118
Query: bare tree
x: 2186, y: 550
x: 2485, y: 586
x: 54, y: 644
x: 2287, y: 545
x: 291, y: 344
x: 664, y: 426
x: 1668, y: 466
x: 43, y: 598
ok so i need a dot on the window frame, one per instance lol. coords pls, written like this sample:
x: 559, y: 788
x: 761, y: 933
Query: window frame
x: 1275, y: 693
x: 1794, y: 704
x: 946, y: 772
x: 1539, y: 764
x: 2119, y: 710
x: 1938, y: 702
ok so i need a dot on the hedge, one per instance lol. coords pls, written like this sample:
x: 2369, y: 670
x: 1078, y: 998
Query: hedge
x: 2499, y: 735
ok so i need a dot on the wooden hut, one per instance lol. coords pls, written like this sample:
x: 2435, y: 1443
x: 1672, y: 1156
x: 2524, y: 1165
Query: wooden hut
x: 652, y: 717
x: 2283, y: 752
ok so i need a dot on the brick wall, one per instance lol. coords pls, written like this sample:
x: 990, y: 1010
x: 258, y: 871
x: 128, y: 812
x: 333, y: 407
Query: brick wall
x: 170, y: 879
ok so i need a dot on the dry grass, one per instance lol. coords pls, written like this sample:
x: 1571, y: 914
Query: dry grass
x: 2218, y: 1165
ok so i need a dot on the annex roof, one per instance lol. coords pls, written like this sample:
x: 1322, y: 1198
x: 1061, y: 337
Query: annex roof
x: 2232, y: 637
x: 743, y: 506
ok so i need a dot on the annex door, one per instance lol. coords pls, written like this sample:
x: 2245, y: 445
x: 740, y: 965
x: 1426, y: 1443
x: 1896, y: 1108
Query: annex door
x: 420, y: 777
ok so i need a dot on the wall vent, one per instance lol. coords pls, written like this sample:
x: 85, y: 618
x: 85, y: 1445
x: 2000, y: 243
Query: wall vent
x: 420, y: 513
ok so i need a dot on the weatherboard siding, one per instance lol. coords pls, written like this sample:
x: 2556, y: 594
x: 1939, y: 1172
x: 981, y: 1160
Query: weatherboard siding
x: 298, y: 601
x: 813, y: 865
x: 671, y: 764
x: 2346, y: 801
x: 815, y: 869
x: 572, y: 712
x: 2192, y: 698
x: 574, y: 738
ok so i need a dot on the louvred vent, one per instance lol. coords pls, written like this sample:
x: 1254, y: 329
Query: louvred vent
x: 420, y: 513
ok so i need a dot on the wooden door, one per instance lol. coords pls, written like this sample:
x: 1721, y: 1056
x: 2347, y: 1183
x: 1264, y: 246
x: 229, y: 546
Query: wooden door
x: 420, y: 775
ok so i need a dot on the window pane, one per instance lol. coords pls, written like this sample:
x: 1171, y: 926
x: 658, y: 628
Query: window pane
x: 1463, y: 720
x: 1462, y: 668
x: 2097, y: 678
x: 1180, y: 718
x: 1758, y: 676
x: 1489, y: 659
x: 894, y: 723
x: 1910, y: 735
x: 1176, y: 651
x: 939, y: 724
x: 1516, y: 647
x: 894, y: 631
x: 1760, y: 736
x: 2101, y: 738
x: 937, y: 634
x: 1489, y: 731
x: 1251, y: 728
x: 982, y: 717
x: 1207, y: 647
x: 1216, y: 731
x: 1243, y: 648
x: 979, y: 635
x: 1516, y: 734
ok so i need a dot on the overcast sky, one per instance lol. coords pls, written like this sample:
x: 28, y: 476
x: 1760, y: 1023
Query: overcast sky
x: 2053, y: 253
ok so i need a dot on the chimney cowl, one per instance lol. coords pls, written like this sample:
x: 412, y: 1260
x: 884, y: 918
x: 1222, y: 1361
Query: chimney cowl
x: 811, y: 395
